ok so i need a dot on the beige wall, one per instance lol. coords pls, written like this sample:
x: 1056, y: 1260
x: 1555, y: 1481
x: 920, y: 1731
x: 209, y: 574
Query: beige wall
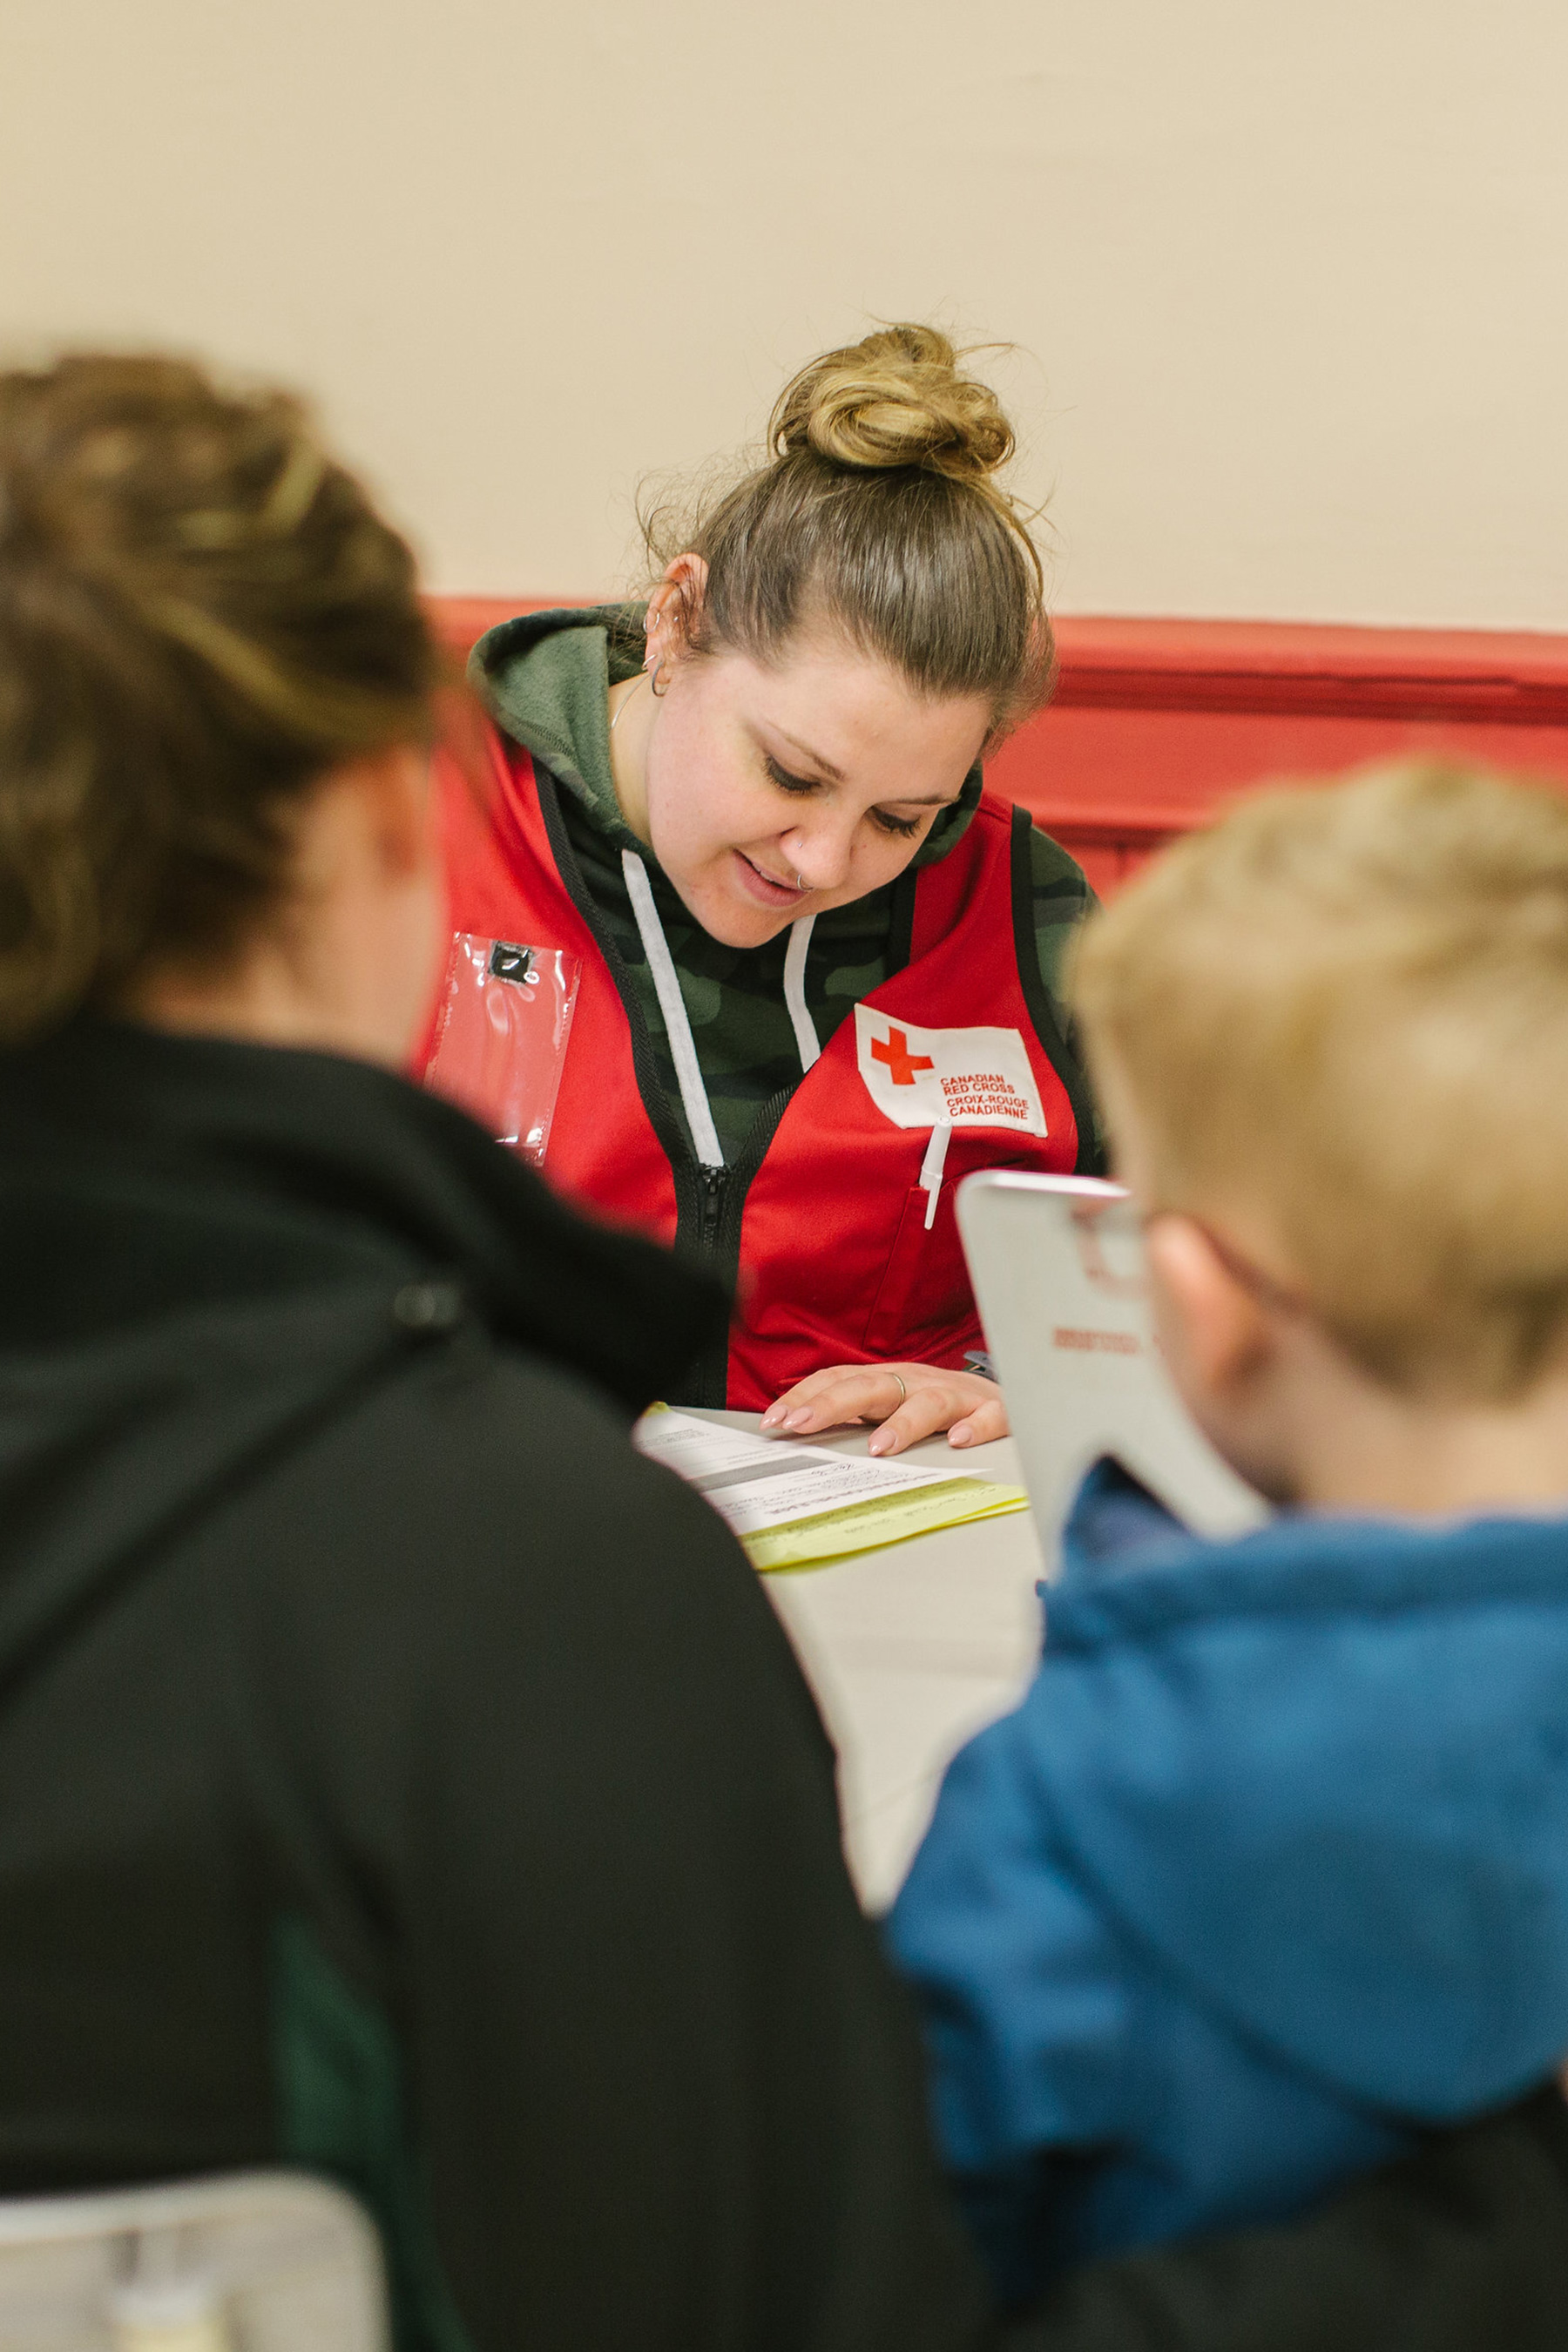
x: 1290, y: 274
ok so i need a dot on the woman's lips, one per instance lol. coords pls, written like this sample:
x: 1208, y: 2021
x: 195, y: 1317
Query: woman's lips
x: 762, y: 887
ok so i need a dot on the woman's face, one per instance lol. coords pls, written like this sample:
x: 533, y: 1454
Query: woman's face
x: 778, y: 789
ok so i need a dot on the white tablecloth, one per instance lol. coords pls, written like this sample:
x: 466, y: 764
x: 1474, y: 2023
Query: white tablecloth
x: 910, y: 1650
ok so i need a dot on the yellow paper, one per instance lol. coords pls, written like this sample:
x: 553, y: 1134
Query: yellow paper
x: 886, y: 1519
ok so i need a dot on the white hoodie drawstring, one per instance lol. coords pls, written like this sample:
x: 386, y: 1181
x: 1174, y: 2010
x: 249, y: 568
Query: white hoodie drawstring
x: 806, y: 1037
x: 677, y: 1028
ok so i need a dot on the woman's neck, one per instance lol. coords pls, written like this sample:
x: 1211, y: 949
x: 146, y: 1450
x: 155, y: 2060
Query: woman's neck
x: 268, y: 997
x: 349, y: 959
x: 633, y: 710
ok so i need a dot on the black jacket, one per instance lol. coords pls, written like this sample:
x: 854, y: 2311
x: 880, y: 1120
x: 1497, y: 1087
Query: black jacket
x: 1462, y: 2247
x: 399, y: 1776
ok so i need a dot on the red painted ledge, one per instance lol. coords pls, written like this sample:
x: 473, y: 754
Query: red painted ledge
x: 1487, y: 677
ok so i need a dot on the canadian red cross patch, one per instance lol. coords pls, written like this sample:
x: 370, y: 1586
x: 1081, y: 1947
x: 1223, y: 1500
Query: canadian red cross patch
x: 969, y: 1077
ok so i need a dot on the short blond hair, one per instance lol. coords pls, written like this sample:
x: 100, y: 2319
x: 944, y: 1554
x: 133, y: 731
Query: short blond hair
x: 1347, y: 1007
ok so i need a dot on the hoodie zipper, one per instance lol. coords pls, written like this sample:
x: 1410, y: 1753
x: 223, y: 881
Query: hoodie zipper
x: 713, y: 1181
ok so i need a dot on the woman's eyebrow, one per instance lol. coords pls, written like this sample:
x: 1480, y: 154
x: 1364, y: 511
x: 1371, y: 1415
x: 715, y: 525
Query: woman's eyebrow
x: 813, y: 759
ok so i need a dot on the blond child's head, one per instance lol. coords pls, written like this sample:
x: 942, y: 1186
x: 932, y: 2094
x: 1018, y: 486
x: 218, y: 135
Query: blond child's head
x: 1332, y: 1036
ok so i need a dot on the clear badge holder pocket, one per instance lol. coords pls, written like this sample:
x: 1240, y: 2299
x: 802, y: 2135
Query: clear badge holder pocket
x: 501, y: 1036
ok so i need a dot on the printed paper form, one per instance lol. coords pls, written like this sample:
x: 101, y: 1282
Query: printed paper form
x: 799, y: 1506
x: 762, y: 1482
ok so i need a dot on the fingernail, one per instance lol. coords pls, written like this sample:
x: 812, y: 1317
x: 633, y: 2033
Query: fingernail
x: 960, y: 1434
x: 772, y: 1418
x: 798, y: 1419
x: 878, y: 1446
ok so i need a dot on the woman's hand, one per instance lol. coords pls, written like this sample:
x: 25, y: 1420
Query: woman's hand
x: 910, y: 1401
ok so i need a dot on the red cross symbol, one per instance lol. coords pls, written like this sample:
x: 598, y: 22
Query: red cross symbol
x: 900, y: 1060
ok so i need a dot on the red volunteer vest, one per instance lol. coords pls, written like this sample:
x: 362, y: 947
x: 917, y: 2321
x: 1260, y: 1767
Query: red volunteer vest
x: 822, y: 1224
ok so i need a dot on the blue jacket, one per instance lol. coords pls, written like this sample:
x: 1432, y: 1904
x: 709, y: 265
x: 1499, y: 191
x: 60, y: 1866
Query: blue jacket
x: 1269, y: 1869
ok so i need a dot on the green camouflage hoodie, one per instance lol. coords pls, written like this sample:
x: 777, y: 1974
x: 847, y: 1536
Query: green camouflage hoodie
x: 544, y: 678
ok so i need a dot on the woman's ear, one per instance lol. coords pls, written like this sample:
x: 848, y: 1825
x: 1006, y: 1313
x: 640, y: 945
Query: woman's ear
x: 1215, y: 1332
x: 675, y: 610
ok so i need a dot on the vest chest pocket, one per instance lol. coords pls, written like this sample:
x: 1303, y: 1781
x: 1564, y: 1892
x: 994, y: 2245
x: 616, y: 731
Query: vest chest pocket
x: 924, y: 1307
x: 924, y: 1292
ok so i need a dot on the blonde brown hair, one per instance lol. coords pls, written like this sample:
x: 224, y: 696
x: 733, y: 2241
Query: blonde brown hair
x: 880, y: 511
x: 200, y: 614
x: 1346, y: 1010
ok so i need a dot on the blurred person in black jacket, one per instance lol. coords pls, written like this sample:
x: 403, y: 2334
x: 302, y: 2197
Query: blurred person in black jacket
x: 398, y: 1776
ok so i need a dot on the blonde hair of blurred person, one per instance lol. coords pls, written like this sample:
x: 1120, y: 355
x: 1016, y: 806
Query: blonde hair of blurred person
x: 820, y: 965
x: 1332, y: 1036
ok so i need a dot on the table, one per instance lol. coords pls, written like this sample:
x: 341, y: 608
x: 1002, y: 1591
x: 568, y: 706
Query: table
x: 910, y: 1650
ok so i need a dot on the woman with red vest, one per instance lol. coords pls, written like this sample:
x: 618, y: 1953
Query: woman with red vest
x: 796, y: 971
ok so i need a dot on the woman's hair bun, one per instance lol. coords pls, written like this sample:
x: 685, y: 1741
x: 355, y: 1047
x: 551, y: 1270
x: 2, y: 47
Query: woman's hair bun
x: 898, y: 398
x: 880, y: 511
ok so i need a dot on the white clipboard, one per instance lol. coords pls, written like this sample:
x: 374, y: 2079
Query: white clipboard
x: 1058, y: 1273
